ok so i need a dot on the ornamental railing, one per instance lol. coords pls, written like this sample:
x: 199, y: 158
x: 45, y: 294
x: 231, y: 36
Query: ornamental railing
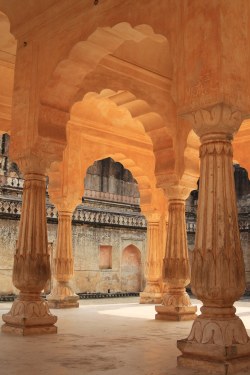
x: 12, y: 208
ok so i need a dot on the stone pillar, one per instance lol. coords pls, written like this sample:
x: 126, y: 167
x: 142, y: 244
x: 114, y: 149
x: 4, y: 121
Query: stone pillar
x: 218, y: 341
x: 153, y: 266
x: 62, y: 294
x: 176, y: 269
x: 30, y: 313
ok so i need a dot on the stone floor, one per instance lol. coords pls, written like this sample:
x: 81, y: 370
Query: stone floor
x: 102, y: 337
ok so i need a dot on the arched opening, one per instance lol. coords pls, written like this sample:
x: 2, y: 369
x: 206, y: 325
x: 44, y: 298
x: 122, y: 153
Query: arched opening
x: 131, y: 273
x: 131, y: 68
x: 110, y: 181
x: 109, y: 214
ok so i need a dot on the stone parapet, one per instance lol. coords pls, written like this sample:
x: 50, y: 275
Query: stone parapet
x: 11, y: 208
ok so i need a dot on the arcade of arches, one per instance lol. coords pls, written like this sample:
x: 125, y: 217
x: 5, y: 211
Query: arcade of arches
x: 162, y: 87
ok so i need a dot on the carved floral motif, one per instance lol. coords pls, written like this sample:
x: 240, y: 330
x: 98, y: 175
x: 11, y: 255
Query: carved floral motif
x: 214, y: 119
x: 176, y: 299
x: 219, y: 332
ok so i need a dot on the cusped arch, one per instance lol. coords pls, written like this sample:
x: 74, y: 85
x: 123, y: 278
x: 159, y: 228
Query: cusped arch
x: 144, y: 182
x: 122, y: 41
x: 122, y: 114
x: 8, y: 42
x: 117, y: 50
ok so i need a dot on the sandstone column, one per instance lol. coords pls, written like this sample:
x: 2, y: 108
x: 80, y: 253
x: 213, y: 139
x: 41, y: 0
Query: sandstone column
x: 153, y: 266
x: 30, y: 313
x: 176, y: 269
x: 62, y: 294
x: 218, y: 341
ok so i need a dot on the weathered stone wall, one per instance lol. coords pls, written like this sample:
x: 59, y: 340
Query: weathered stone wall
x: 86, y: 243
x: 8, y: 236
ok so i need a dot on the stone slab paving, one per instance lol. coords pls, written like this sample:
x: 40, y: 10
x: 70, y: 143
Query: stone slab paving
x: 102, y: 337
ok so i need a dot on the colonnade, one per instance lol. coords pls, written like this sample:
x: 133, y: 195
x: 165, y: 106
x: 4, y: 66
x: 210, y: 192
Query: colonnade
x: 103, y: 89
x: 217, y: 271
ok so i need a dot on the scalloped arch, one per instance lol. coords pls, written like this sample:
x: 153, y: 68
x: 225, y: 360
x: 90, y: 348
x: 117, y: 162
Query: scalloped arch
x: 67, y: 81
x: 122, y: 114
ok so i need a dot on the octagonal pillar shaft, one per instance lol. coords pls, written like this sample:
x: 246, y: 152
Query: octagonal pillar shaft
x: 62, y: 294
x: 153, y: 267
x: 30, y: 313
x: 218, y: 341
x: 176, y: 303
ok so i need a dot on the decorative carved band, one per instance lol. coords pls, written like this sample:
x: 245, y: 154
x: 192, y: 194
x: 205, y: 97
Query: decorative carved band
x: 221, y: 147
x: 219, y: 332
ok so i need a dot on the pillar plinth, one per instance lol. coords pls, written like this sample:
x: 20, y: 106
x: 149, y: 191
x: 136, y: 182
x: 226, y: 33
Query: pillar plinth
x: 62, y: 294
x: 176, y: 303
x: 152, y: 293
x: 30, y: 313
x: 218, y: 341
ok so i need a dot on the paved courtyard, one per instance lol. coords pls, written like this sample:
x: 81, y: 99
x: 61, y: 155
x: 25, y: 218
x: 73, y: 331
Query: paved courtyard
x: 102, y: 337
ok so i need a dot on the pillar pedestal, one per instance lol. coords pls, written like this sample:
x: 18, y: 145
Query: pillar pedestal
x: 62, y: 296
x: 218, y: 345
x: 177, y: 308
x: 29, y: 315
x: 151, y: 294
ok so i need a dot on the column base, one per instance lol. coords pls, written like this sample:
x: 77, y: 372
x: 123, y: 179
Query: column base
x: 150, y: 298
x: 29, y: 317
x: 62, y: 296
x: 66, y: 303
x: 26, y: 331
x: 175, y: 313
x: 214, y: 359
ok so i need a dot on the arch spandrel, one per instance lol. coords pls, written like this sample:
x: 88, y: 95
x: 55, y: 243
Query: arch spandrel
x: 68, y: 83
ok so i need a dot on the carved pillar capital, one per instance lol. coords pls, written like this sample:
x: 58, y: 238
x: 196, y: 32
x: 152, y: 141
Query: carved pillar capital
x: 217, y: 118
x: 177, y: 192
